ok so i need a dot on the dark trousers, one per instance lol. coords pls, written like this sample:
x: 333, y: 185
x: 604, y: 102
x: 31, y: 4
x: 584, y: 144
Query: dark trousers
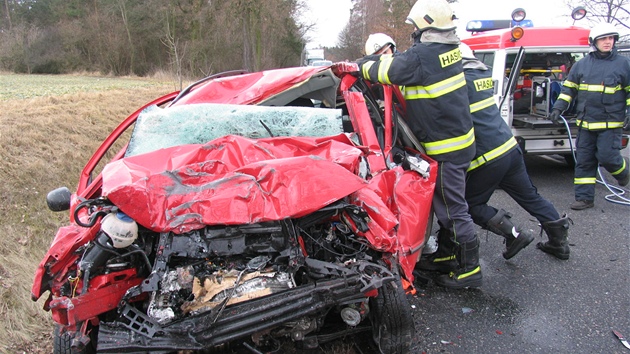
x: 449, y: 203
x: 596, y: 147
x: 508, y: 173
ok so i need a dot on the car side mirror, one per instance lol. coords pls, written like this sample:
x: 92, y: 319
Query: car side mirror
x: 59, y: 199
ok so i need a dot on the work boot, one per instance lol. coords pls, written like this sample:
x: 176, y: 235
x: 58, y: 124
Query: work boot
x: 468, y: 275
x: 558, y: 233
x: 444, y: 259
x: 582, y: 204
x: 515, y: 239
x: 625, y: 180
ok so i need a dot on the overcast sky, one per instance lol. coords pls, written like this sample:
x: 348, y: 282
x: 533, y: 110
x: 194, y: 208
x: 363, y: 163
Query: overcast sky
x: 331, y: 16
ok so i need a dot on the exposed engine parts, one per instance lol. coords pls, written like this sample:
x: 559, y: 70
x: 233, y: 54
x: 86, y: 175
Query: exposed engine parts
x: 201, y: 272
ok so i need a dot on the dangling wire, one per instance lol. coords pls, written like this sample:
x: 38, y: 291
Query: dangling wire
x: 618, y: 193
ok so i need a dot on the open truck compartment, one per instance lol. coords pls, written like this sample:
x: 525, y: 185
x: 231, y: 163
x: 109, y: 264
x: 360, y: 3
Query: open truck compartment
x: 538, y: 86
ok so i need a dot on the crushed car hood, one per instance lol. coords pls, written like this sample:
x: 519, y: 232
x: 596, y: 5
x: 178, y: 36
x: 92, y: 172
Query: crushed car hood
x: 233, y: 180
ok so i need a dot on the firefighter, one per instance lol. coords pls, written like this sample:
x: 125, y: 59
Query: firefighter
x: 498, y: 163
x: 601, y: 84
x: 437, y: 106
x: 379, y: 43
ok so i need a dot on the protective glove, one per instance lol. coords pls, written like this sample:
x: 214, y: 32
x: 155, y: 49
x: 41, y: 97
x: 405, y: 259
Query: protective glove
x: 554, y: 117
x: 359, y: 62
x: 626, y: 123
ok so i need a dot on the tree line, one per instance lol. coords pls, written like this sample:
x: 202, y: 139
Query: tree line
x: 190, y: 38
x: 139, y: 37
x: 195, y: 38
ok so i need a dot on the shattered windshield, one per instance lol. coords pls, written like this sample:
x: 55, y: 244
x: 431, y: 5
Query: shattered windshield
x: 158, y: 128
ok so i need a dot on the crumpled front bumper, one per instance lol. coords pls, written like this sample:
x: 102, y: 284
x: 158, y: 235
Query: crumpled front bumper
x: 135, y: 332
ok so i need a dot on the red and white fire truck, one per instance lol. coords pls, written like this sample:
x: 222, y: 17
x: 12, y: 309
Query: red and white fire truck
x: 528, y: 66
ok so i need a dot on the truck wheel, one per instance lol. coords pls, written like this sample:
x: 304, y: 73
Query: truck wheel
x: 568, y: 158
x: 62, y: 342
x: 392, y: 322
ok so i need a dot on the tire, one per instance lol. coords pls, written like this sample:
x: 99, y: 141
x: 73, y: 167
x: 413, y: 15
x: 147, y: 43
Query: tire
x: 568, y: 158
x: 62, y: 342
x: 392, y: 322
x: 429, y: 228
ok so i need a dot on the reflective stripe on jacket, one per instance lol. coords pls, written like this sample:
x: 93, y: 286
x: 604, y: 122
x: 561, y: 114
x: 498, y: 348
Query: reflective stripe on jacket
x: 493, y: 137
x: 435, y: 91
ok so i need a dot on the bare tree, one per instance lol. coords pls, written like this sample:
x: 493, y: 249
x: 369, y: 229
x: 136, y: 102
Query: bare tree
x: 349, y: 45
x: 176, y: 53
x: 372, y: 16
x: 25, y: 36
x: 125, y: 19
x: 612, y: 11
x: 616, y: 12
x: 305, y: 25
x: 8, y: 14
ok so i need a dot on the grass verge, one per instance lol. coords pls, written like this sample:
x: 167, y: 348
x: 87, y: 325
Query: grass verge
x: 51, y: 125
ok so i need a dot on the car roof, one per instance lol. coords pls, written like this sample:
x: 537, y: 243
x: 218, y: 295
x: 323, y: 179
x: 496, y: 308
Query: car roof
x: 271, y: 87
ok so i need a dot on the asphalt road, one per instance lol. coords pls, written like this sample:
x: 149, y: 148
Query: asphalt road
x: 535, y: 303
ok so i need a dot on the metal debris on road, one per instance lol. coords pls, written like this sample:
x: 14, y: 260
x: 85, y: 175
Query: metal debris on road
x: 621, y: 339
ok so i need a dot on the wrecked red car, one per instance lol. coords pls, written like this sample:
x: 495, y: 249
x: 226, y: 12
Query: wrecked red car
x: 247, y: 208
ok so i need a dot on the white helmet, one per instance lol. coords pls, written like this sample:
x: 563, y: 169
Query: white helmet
x: 120, y: 228
x: 377, y: 42
x: 603, y: 29
x: 436, y: 14
x: 466, y: 51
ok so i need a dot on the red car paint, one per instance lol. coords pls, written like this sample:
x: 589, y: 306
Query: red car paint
x: 188, y: 187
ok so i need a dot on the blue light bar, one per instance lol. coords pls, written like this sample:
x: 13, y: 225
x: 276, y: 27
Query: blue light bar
x: 488, y: 25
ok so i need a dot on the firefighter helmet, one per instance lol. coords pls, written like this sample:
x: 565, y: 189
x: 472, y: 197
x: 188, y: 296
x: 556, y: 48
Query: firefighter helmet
x: 376, y: 42
x: 600, y: 30
x: 435, y: 14
x: 466, y: 51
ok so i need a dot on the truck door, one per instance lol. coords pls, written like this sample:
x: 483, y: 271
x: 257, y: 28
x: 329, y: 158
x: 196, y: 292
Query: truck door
x: 508, y: 90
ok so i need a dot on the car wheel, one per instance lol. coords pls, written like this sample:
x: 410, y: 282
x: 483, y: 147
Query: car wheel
x: 392, y: 322
x: 62, y: 342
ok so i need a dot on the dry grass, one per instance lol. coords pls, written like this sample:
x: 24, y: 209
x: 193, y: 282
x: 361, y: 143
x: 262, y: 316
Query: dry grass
x: 50, y: 127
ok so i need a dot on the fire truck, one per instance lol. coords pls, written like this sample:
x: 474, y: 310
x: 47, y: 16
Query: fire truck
x: 528, y: 67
